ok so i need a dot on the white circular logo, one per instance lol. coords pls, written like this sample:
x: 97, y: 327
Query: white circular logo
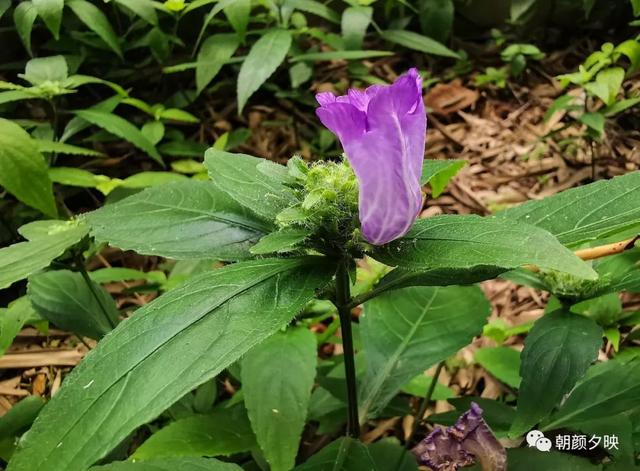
x: 536, y: 439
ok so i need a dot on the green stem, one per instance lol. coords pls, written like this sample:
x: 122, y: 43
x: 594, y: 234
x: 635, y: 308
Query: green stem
x: 343, y: 298
x: 83, y: 271
x: 425, y: 403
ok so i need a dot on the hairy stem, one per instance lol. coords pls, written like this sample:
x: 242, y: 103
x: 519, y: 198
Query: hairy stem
x: 83, y: 271
x: 343, y: 298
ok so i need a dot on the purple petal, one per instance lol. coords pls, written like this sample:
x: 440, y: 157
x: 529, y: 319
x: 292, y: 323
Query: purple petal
x: 383, y: 135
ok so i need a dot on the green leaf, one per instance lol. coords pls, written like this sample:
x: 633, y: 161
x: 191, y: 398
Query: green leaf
x: 97, y: 22
x: 418, y: 42
x: 530, y: 459
x: 594, y: 121
x: 113, y: 274
x: 402, y: 335
x: 315, y: 8
x: 142, y: 367
x: 213, y: 54
x: 224, y: 432
x: 153, y: 131
x: 121, y: 128
x: 607, y: 84
x: 620, y: 106
x: 16, y: 95
x: 355, y: 21
x: 66, y: 300
x: 12, y: 320
x: 282, y: 240
x: 389, y: 454
x: 24, y: 16
x: 170, y: 464
x: 585, y: 213
x: 238, y: 175
x: 16, y: 421
x: 4, y: 6
x: 277, y: 377
x: 46, y: 69
x: 419, y: 386
x: 51, y: 13
x: 237, y: 14
x: 339, y: 55
x: 438, y: 173
x: 557, y: 352
x: 180, y: 220
x: 436, y: 18
x: 149, y: 179
x: 344, y: 454
x: 466, y: 249
x: 24, y: 258
x: 608, y: 389
x: 631, y: 49
x: 145, y: 9
x: 501, y: 362
x: 23, y: 171
x: 62, y: 148
x: 175, y: 114
x: 263, y: 59
x: 73, y: 176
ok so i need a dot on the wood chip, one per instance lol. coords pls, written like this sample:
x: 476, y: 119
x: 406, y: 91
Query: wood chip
x: 37, y: 359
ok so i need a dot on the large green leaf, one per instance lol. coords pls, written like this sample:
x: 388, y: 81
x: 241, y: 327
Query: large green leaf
x: 24, y: 258
x: 65, y: 299
x: 97, y: 22
x: 608, y: 389
x: 277, y: 377
x: 465, y: 249
x: 167, y: 348
x: 263, y: 59
x: 344, y: 454
x: 238, y: 14
x: 585, y: 213
x: 51, y: 13
x: 16, y: 421
x: 23, y: 171
x: 121, y: 128
x: 214, y: 53
x: 179, y: 220
x: 238, y: 175
x: 407, y: 331
x: 557, y: 352
x: 418, y: 42
x: 172, y: 464
x: 223, y: 432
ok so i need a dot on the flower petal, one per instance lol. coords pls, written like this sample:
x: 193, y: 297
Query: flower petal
x: 344, y: 120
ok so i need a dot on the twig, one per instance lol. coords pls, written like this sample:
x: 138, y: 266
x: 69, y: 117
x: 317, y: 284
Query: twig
x: 606, y: 250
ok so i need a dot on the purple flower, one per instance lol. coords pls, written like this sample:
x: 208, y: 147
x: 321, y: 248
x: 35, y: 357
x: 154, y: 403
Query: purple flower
x: 455, y: 447
x: 382, y: 130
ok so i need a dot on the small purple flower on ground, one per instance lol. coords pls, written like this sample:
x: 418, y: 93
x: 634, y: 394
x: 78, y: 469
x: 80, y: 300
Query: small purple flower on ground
x: 382, y: 130
x: 460, y: 445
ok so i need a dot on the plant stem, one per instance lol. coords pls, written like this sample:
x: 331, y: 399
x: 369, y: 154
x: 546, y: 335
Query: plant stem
x: 83, y: 271
x: 343, y: 298
x: 425, y: 403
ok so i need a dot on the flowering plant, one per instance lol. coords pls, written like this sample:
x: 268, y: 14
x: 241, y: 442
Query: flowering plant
x: 302, y: 246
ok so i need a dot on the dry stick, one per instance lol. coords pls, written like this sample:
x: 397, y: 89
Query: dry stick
x: 601, y: 251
